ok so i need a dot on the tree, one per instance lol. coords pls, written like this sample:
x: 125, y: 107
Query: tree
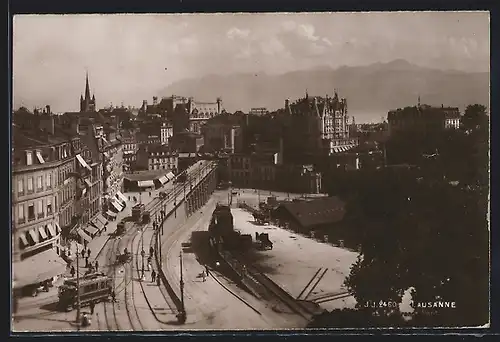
x: 474, y: 117
x: 427, y: 235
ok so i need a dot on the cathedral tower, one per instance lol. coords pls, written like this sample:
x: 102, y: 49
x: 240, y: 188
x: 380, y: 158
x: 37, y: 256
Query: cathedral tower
x: 87, y: 104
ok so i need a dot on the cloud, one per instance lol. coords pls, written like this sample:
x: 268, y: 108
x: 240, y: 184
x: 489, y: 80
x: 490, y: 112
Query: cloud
x: 235, y: 32
x: 307, y: 31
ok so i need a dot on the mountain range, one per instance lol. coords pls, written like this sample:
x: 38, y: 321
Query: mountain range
x: 370, y: 90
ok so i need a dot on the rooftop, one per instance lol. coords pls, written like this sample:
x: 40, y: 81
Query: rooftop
x: 316, y: 212
x: 145, y: 175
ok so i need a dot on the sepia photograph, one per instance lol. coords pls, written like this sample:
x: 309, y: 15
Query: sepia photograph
x: 250, y: 171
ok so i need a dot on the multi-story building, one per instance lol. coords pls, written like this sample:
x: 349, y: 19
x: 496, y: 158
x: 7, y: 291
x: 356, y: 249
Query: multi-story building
x: 130, y: 148
x: 157, y: 157
x: 258, y: 111
x: 166, y: 133
x: 112, y: 150
x: 42, y: 199
x: 222, y: 135
x: 314, y: 126
x: 423, y: 119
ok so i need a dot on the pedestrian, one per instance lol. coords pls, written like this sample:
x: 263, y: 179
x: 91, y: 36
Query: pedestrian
x: 153, y: 276
x: 113, y: 296
x: 72, y: 271
x: 151, y: 250
x: 88, y: 253
x: 149, y: 266
x: 150, y: 194
x: 87, y: 262
x: 83, y: 253
x: 92, y: 307
x: 206, y: 269
x: 96, y: 266
x: 203, y: 276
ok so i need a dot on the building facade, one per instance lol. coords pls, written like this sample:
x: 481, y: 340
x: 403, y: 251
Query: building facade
x: 423, y: 119
x: 157, y: 157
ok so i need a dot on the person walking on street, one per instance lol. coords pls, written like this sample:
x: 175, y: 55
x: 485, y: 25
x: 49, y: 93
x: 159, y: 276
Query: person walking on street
x: 88, y: 253
x: 83, y: 253
x: 87, y: 262
x: 203, y: 276
x: 153, y: 276
x: 96, y: 266
x: 151, y: 251
x: 92, y: 307
x: 72, y: 271
x: 206, y: 270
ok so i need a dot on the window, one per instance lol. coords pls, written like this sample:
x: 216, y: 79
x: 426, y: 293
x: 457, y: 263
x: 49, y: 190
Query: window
x: 31, y: 212
x: 49, y: 206
x: 39, y: 183
x: 40, y: 209
x: 20, y: 213
x: 48, y: 180
x: 30, y: 184
x: 29, y: 158
x: 20, y: 187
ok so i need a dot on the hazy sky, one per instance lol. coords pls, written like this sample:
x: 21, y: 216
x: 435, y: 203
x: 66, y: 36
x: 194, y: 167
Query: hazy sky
x: 126, y: 55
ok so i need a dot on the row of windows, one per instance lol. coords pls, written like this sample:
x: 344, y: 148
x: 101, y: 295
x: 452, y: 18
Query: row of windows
x: 35, y: 210
x: 31, y: 184
x: 161, y: 167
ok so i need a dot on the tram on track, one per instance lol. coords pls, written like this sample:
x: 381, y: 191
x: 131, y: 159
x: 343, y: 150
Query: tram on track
x: 93, y: 287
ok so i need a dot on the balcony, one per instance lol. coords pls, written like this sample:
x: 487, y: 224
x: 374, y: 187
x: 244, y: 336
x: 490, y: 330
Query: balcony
x: 31, y: 218
x: 21, y: 220
x: 40, y: 215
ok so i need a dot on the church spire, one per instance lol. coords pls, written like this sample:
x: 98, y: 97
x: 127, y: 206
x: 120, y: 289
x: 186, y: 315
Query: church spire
x: 87, y: 88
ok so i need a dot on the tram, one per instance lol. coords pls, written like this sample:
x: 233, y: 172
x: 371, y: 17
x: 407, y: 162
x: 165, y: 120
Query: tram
x: 94, y: 287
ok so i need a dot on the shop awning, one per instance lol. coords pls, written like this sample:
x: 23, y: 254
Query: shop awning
x: 52, y: 230
x: 163, y: 179
x: 101, y: 219
x: 91, y: 230
x: 98, y: 224
x: 39, y: 157
x: 170, y: 175
x: 110, y: 213
x: 38, y: 268
x: 24, y: 241
x: 121, y: 196
x: 34, y: 235
x: 58, y: 229
x: 84, y: 236
x: 43, y: 233
x: 146, y: 184
x: 116, y: 205
x: 83, y: 162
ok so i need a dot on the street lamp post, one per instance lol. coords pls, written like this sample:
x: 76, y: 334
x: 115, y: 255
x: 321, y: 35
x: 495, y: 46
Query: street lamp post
x: 79, y: 198
x: 142, y: 253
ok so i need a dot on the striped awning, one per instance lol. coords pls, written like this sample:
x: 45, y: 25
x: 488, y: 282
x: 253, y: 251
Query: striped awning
x: 91, y: 230
x: 52, y: 230
x: 43, y: 233
x: 110, y: 213
x: 121, y: 196
x: 170, y: 175
x: 58, y: 229
x: 24, y: 240
x: 83, y: 162
x: 84, y: 236
x: 117, y: 206
x: 146, y: 184
x: 34, y: 235
x: 163, y: 179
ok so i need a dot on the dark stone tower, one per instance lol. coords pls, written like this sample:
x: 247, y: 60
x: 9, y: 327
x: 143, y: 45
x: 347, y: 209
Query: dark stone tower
x: 87, y: 104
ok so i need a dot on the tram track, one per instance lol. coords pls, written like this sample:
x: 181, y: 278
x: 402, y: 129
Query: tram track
x: 129, y: 295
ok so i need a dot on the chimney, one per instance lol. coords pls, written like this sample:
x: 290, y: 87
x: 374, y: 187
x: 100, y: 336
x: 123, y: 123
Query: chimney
x: 287, y: 103
x: 75, y: 125
x: 155, y: 100
x: 47, y: 107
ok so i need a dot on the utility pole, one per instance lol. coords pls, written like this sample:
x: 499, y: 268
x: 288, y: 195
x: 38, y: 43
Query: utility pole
x: 142, y: 253
x: 77, y: 285
x: 183, y: 309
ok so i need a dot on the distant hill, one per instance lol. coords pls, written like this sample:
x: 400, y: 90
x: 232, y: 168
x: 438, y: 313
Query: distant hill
x: 375, y: 88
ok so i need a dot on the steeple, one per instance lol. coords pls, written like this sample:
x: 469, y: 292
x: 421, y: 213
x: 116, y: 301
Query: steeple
x: 87, y: 88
